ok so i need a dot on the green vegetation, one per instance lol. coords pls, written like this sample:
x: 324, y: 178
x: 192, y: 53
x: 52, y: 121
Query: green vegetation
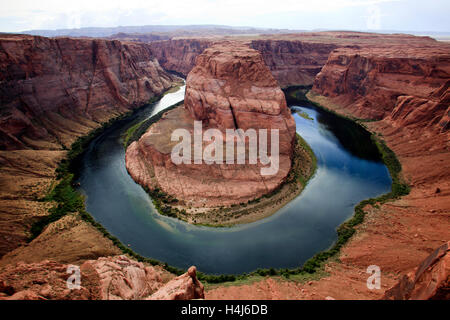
x: 174, y: 88
x: 137, y: 130
x: 304, y: 180
x: 296, y: 94
x: 130, y: 133
x: 66, y: 198
x: 304, y: 115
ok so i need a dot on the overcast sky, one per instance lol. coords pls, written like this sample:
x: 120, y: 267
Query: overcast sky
x: 406, y: 15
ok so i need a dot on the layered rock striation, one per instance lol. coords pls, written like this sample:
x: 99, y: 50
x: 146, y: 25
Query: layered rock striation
x: 405, y: 87
x: 53, y: 88
x: 53, y: 91
x: 293, y: 62
x: 293, y: 59
x: 407, y: 84
x: 229, y: 88
x: 179, y: 54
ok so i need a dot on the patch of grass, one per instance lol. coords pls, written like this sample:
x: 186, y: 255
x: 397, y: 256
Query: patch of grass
x: 304, y: 115
x: 67, y: 200
x: 130, y: 133
x: 137, y: 130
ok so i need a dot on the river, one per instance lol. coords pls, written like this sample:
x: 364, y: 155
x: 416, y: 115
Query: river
x: 349, y: 170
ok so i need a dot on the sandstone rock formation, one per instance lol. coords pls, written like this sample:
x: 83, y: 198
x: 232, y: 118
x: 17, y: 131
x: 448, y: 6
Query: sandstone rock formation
x: 184, y: 287
x: 51, y: 88
x: 293, y: 59
x: 179, y: 55
x: 229, y: 88
x: 407, y: 83
x: 108, y: 278
x: 413, y: 81
x: 431, y: 280
x: 414, y: 113
x: 293, y: 62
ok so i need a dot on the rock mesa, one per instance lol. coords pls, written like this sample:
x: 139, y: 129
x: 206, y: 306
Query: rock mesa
x: 229, y: 88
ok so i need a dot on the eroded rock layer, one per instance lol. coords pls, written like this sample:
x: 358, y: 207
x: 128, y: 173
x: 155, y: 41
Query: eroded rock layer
x: 179, y: 55
x: 107, y: 278
x: 53, y: 91
x: 293, y: 62
x: 403, y: 81
x: 229, y: 88
x: 429, y: 281
x: 52, y: 88
x: 293, y: 59
x: 408, y: 84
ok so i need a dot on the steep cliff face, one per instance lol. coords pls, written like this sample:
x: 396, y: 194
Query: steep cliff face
x: 406, y: 88
x: 407, y: 84
x: 107, y: 278
x: 52, y: 88
x: 179, y: 55
x: 293, y: 62
x: 51, y: 92
x: 229, y: 88
x: 293, y: 59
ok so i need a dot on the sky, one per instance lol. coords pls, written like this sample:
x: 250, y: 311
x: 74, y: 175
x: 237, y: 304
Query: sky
x: 401, y: 15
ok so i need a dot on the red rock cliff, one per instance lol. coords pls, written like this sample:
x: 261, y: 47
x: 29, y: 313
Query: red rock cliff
x: 51, y: 92
x: 407, y: 84
x: 179, y: 55
x: 293, y: 62
x: 51, y: 88
x: 293, y: 59
x: 406, y: 87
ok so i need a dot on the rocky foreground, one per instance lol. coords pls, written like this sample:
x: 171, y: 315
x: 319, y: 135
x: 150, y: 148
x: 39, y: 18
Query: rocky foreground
x: 229, y: 88
x: 108, y: 278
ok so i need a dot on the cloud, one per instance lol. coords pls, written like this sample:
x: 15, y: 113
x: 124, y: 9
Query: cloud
x: 18, y: 15
x: 374, y: 18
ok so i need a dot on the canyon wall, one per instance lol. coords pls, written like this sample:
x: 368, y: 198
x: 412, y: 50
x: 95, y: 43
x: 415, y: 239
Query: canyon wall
x: 406, y: 87
x: 407, y: 84
x: 293, y: 59
x: 179, y: 55
x: 229, y: 88
x: 51, y: 92
x: 293, y: 62
x: 52, y: 88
